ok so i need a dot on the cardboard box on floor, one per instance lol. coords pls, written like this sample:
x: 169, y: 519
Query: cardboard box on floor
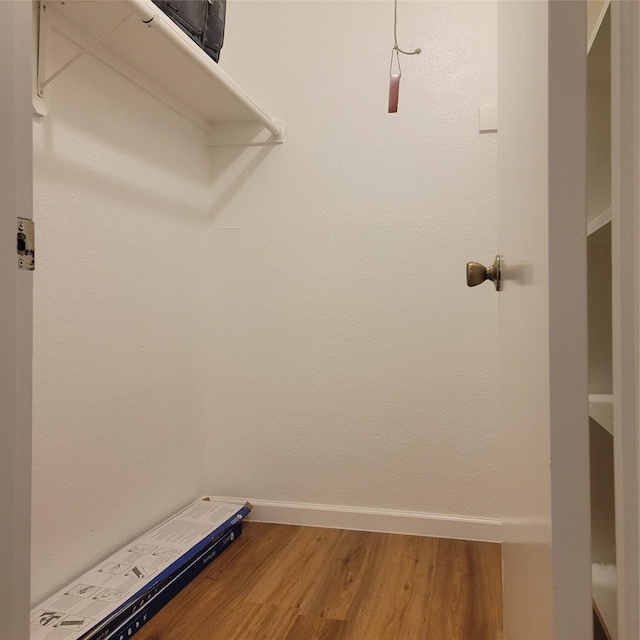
x: 124, y: 581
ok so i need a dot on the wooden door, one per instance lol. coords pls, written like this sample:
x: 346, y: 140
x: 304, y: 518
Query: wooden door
x: 15, y: 320
x: 542, y: 319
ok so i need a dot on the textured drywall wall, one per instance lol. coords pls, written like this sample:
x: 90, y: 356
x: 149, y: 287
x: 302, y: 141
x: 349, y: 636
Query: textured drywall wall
x: 121, y: 190
x: 349, y: 362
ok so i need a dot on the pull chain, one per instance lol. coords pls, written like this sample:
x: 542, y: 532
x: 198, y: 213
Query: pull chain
x: 394, y: 76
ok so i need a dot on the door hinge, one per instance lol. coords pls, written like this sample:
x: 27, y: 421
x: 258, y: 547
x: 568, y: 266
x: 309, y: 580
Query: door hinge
x: 26, y: 244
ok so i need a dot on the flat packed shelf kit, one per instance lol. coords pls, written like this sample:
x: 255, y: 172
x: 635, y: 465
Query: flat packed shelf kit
x: 116, y: 598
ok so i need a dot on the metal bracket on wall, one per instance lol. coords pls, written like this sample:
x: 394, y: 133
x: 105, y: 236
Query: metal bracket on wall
x: 42, y: 80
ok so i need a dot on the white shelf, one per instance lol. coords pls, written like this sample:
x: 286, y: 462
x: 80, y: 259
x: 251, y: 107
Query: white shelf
x: 599, y: 221
x: 604, y: 593
x: 150, y: 44
x: 596, y: 11
x: 599, y: 113
x: 601, y: 410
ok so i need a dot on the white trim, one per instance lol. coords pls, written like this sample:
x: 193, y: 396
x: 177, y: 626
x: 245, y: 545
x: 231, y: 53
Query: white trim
x: 415, y: 523
x: 569, y: 540
x: 625, y: 253
x: 16, y: 321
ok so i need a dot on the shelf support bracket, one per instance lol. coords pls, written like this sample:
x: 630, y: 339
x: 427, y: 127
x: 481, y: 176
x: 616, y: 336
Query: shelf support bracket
x: 44, y: 30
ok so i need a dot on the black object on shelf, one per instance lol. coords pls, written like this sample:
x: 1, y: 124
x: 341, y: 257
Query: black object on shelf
x: 202, y: 20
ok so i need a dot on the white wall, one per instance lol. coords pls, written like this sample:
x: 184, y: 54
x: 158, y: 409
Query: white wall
x: 349, y: 363
x: 339, y: 357
x: 121, y: 192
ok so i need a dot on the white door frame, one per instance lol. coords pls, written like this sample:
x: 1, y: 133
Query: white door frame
x: 625, y: 166
x: 568, y: 331
x: 542, y: 82
x: 15, y: 320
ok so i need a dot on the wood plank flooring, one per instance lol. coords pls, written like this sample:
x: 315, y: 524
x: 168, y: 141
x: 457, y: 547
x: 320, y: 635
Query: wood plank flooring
x: 279, y: 582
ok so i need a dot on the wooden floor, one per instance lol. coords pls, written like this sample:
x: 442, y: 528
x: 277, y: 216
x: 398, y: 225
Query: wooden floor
x: 280, y: 582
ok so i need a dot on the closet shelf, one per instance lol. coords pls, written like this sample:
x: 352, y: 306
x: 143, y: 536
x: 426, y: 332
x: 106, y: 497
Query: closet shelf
x: 601, y: 410
x: 604, y: 593
x: 599, y: 221
x: 138, y: 34
x: 596, y: 11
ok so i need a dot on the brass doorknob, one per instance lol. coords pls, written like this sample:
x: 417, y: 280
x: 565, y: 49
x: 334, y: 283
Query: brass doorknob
x: 477, y: 273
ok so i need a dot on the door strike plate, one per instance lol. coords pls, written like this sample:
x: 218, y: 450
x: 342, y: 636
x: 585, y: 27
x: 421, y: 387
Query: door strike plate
x: 26, y: 244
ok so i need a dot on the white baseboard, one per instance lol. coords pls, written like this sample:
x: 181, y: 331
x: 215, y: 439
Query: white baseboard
x: 378, y: 520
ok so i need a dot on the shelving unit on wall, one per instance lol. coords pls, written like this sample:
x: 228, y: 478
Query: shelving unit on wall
x: 136, y: 39
x: 599, y: 221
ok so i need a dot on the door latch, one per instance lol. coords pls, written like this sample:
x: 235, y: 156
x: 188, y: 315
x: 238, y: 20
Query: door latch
x: 26, y: 244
